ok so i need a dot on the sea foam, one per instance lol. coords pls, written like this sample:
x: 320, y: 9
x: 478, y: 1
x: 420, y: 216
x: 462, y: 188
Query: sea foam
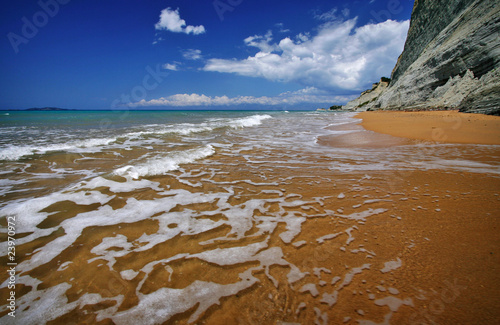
x: 18, y: 152
x: 160, y: 166
x: 185, y: 129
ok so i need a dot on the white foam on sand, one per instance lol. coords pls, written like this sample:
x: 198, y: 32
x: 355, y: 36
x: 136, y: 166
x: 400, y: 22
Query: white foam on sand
x: 21, y: 209
x: 153, y: 309
x: 250, y: 217
x: 159, y: 306
x: 393, y: 302
x: 361, y: 216
x: 9, y: 185
x: 392, y: 265
x: 41, y: 306
x: 210, y: 125
x: 87, y: 145
x: 162, y: 165
x: 331, y: 299
x: 322, y: 239
x: 311, y: 288
x: 241, y: 218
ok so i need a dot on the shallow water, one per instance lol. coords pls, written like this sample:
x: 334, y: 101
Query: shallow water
x: 210, y: 217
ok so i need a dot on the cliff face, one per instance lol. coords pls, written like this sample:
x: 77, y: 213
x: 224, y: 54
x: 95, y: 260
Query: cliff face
x: 451, y: 59
x: 428, y: 19
x: 367, y: 97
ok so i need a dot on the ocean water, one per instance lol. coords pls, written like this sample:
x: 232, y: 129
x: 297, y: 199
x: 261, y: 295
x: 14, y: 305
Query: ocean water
x: 151, y: 217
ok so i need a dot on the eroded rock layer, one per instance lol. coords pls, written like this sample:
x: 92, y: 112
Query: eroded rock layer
x: 450, y: 61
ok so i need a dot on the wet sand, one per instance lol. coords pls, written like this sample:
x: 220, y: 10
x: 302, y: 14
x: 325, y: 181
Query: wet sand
x: 426, y: 253
x: 438, y: 126
x: 277, y: 235
x: 457, y: 261
x: 442, y: 227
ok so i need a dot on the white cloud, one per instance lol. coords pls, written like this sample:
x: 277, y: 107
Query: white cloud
x: 333, y: 15
x: 340, y: 56
x: 261, y: 42
x: 329, y: 15
x: 170, y: 66
x: 192, y: 54
x: 282, y: 28
x: 171, y: 20
x: 302, y: 37
x: 158, y: 39
x: 307, y: 95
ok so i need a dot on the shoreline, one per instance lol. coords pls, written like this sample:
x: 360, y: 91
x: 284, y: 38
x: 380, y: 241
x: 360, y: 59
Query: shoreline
x: 269, y: 228
x: 436, y: 126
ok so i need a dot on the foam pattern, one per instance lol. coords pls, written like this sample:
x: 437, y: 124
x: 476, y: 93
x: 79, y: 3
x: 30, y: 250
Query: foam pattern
x: 145, y: 224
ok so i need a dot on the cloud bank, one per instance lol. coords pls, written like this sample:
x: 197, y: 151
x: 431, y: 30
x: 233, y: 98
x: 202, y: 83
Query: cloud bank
x: 170, y: 20
x: 340, y: 57
x: 307, y: 95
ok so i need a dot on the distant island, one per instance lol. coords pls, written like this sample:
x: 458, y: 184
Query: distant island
x: 49, y: 109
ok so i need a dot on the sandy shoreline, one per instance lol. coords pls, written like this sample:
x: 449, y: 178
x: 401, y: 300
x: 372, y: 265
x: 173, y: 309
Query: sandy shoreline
x: 438, y: 126
x: 271, y: 229
x: 453, y: 213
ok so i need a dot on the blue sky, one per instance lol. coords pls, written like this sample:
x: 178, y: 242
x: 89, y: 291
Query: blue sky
x: 229, y: 54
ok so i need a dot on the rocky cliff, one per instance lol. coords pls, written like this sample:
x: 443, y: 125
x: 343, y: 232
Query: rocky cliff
x: 367, y: 97
x: 451, y: 59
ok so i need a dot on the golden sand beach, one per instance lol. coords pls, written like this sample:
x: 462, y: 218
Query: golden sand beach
x: 439, y: 126
x: 324, y: 223
x: 454, y: 213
